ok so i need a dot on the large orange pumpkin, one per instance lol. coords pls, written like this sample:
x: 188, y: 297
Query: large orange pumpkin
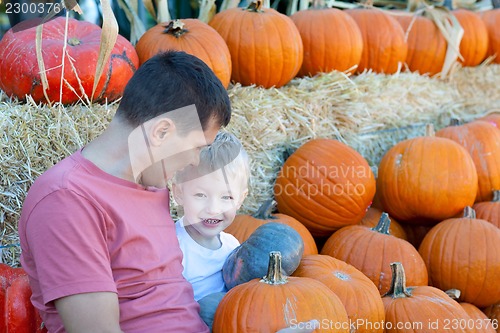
x: 325, y: 184
x: 356, y: 291
x: 191, y: 36
x: 274, y: 302
x: 422, y: 309
x: 384, y: 45
x: 20, y: 76
x: 371, y: 250
x: 492, y: 20
x: 482, y: 141
x: 489, y: 210
x: 244, y: 225
x: 474, y: 44
x: 426, y: 179
x: 464, y: 254
x: 265, y: 45
x: 331, y: 38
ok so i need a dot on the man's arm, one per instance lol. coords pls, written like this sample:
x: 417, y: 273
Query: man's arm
x: 90, y: 312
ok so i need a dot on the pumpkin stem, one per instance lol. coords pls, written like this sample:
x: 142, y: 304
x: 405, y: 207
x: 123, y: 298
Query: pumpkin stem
x: 496, y: 196
x: 175, y: 28
x: 398, y: 282
x: 429, y: 130
x: 318, y: 4
x: 449, y: 4
x: 454, y: 122
x: 453, y: 293
x: 255, y: 6
x: 469, y: 212
x: 274, y: 273
x: 265, y: 210
x: 73, y: 41
x: 383, y: 224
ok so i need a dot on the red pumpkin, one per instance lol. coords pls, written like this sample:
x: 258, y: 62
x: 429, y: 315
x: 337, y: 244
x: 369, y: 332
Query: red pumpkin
x: 19, y: 76
x: 492, y: 20
x: 191, y: 36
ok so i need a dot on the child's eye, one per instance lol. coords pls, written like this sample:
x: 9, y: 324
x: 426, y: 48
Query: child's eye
x: 199, y: 195
x: 227, y: 197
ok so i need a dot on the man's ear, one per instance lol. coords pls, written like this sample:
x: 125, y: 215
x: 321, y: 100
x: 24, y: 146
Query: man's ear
x: 161, y: 130
x: 177, y: 191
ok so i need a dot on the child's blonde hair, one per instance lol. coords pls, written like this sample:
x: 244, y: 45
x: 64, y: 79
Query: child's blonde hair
x: 226, y: 153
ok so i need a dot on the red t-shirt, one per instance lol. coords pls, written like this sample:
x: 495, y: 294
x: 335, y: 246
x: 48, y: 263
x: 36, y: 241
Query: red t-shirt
x: 83, y: 230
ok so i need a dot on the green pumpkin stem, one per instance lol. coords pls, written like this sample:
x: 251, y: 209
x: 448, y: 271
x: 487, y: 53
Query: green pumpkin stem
x: 383, y: 225
x: 175, y: 28
x: 496, y: 196
x: 429, y: 130
x: 469, y: 212
x: 265, y: 211
x: 73, y: 41
x: 255, y: 6
x: 454, y: 122
x: 454, y: 294
x: 274, y: 273
x: 398, y: 282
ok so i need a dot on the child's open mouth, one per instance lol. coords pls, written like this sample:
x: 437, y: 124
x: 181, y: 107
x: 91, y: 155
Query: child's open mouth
x: 211, y: 222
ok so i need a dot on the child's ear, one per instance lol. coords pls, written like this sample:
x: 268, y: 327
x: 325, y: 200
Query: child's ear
x: 242, y: 198
x: 177, y: 191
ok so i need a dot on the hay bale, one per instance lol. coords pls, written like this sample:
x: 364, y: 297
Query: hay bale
x: 369, y: 112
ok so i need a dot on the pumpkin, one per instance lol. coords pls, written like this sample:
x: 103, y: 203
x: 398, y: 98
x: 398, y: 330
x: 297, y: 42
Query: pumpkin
x: 208, y: 306
x: 422, y: 309
x: 325, y: 185
x: 17, y: 314
x: 491, y: 18
x: 274, y: 302
x: 492, y: 118
x: 331, y: 38
x: 415, y: 233
x: 244, y: 225
x: 191, y: 36
x: 384, y: 45
x: 493, y: 313
x: 371, y: 250
x: 489, y: 210
x: 464, y: 254
x: 265, y: 45
x: 482, y: 141
x: 425, y: 180
x: 20, y: 76
x: 478, y: 318
x: 357, y: 292
x: 372, y: 218
x: 426, y: 44
x: 474, y: 44
x: 250, y: 260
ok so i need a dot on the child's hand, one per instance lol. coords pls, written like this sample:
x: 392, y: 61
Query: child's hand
x: 303, y: 327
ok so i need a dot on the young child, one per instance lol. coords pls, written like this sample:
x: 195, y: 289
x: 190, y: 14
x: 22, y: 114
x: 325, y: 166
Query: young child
x: 210, y: 195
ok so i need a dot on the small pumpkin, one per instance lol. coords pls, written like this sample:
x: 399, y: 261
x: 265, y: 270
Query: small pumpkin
x: 492, y: 20
x: 21, y: 78
x: 208, y: 306
x: 268, y: 304
x: 493, y: 313
x: 191, y: 36
x: 492, y: 118
x: 489, y: 210
x: 250, y: 260
x: 474, y: 44
x: 478, y: 317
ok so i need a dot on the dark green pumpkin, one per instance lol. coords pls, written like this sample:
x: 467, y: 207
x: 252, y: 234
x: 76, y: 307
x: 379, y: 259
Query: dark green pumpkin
x: 208, y: 306
x: 250, y: 260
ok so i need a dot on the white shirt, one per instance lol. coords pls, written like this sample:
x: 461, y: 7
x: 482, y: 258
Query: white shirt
x: 202, y: 266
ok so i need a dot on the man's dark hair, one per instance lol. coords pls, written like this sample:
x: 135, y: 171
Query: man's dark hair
x: 172, y: 80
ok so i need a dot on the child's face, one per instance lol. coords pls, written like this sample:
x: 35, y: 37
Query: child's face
x: 210, y: 203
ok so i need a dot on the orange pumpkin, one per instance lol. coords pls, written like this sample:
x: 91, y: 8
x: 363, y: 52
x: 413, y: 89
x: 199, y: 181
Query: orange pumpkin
x: 356, y: 291
x: 493, y: 313
x: 331, y: 38
x: 415, y: 233
x: 474, y: 44
x: 372, y: 217
x: 492, y: 118
x: 244, y: 225
x: 422, y: 309
x: 492, y: 20
x: 384, y: 45
x: 478, y: 318
x: 489, y: 210
x: 265, y: 45
x: 464, y: 254
x: 325, y: 185
x: 426, y: 179
x: 274, y: 302
x: 191, y: 36
x: 371, y: 250
x: 482, y: 141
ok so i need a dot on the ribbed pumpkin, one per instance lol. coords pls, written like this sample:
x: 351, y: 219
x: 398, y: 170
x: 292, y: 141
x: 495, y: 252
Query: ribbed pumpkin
x: 191, y: 36
x: 265, y: 45
x: 244, y: 225
x: 489, y: 210
x: 478, y: 318
x: 493, y: 312
x: 492, y: 118
x: 415, y: 233
x: 426, y: 44
x: 268, y: 304
x: 356, y: 291
x: 464, y: 254
x: 422, y: 309
x: 326, y: 185
x: 492, y: 20
x: 426, y: 179
x: 482, y: 141
x: 331, y: 38
x: 372, y: 217
x: 371, y: 250
x: 384, y: 45
x: 474, y: 44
